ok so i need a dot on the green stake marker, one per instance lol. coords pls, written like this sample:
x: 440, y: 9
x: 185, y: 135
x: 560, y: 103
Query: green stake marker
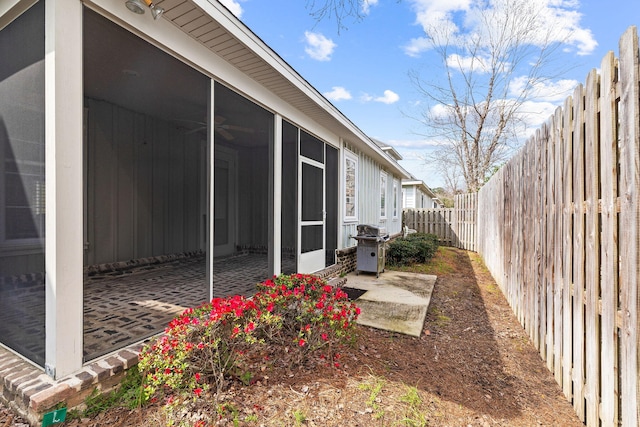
x: 54, y: 417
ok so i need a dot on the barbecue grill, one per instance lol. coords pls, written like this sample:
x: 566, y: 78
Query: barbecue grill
x: 371, y: 252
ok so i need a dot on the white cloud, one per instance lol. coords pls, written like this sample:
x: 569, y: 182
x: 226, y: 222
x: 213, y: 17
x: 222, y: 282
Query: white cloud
x: 467, y: 63
x: 416, y: 46
x: 533, y: 114
x: 457, y: 20
x: 338, y: 93
x: 367, y: 5
x: 584, y: 39
x: 233, y: 6
x: 388, y: 97
x: 407, y: 144
x: 435, y: 14
x: 318, y: 46
x: 544, y: 91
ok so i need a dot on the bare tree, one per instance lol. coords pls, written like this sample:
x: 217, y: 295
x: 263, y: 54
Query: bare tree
x: 444, y: 163
x: 475, y: 105
x: 336, y: 9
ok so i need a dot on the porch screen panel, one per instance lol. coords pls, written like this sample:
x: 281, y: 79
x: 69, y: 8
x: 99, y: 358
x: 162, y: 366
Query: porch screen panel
x: 332, y: 200
x: 289, y: 197
x: 311, y: 238
x: 146, y: 172
x: 311, y: 147
x: 312, y: 203
x: 22, y: 185
x: 221, y: 202
x: 312, y: 208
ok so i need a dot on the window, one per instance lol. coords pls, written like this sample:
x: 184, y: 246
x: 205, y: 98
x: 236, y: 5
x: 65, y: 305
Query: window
x: 350, y: 186
x: 395, y: 198
x: 383, y: 195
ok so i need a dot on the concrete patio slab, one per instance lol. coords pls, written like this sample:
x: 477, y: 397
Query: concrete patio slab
x: 395, y: 301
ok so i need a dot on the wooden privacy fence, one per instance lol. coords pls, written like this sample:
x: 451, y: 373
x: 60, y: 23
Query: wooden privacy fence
x: 454, y: 226
x: 558, y: 229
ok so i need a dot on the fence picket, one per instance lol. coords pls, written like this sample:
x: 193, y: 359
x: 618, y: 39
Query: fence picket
x: 608, y: 248
x: 557, y: 245
x: 567, y: 249
x: 551, y: 219
x: 629, y: 110
x: 578, y: 253
x: 537, y: 233
x: 544, y: 141
x: 592, y: 235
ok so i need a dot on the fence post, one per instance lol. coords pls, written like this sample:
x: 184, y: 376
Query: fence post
x: 629, y: 110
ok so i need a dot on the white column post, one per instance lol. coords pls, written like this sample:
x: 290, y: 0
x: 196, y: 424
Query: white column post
x: 276, y: 225
x: 63, y: 169
x: 211, y: 164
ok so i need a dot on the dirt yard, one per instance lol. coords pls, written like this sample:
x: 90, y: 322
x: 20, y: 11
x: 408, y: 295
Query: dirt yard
x: 472, y: 366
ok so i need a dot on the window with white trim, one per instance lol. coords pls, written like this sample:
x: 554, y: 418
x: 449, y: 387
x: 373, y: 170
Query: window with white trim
x: 383, y: 195
x: 350, y: 186
x: 395, y: 199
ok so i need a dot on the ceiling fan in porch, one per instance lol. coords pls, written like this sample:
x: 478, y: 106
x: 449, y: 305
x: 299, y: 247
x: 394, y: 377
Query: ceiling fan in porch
x: 223, y: 129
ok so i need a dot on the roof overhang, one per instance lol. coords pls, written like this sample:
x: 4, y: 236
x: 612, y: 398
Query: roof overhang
x: 421, y: 186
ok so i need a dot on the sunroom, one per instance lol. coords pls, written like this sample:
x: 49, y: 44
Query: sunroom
x: 148, y: 165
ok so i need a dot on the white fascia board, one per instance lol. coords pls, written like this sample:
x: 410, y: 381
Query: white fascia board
x: 11, y: 9
x: 428, y: 191
x: 392, y: 152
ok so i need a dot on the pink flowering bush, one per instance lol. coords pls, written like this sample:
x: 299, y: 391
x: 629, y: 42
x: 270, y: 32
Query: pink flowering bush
x: 308, y: 315
x: 199, y: 347
x: 290, y: 318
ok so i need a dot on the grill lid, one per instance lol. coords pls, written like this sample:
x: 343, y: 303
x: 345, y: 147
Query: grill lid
x: 371, y: 230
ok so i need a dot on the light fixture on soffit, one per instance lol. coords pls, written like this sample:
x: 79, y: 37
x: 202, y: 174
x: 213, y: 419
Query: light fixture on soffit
x: 137, y: 6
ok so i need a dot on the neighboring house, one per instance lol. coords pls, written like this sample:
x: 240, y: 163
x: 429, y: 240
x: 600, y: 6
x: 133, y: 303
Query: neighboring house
x: 416, y: 194
x: 184, y: 138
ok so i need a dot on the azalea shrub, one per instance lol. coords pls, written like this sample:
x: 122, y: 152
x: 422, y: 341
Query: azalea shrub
x: 291, y: 318
x: 305, y: 315
x: 199, y: 347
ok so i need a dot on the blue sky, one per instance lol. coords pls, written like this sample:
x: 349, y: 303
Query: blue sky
x: 364, y: 69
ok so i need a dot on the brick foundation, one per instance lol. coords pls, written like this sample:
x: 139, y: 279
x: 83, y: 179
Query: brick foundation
x: 31, y: 393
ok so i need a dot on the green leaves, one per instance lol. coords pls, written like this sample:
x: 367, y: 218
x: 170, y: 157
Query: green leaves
x: 415, y: 248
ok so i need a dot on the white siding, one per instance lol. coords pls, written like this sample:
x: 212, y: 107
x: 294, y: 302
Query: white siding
x: 142, y: 201
x: 409, y: 197
x: 369, y: 200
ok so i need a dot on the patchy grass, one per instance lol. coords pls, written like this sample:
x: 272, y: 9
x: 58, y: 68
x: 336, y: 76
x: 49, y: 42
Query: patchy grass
x: 374, y: 386
x: 442, y: 263
x: 441, y: 319
x: 127, y: 395
x: 414, y: 415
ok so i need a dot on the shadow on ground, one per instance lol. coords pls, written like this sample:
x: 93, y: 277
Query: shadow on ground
x: 457, y: 358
